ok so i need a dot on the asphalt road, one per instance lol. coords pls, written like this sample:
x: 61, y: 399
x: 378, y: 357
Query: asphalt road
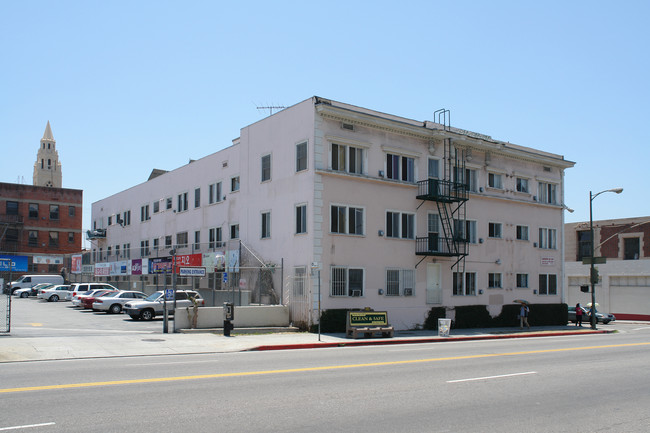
x: 554, y: 384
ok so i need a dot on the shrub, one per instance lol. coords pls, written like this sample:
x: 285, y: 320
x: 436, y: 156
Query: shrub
x: 472, y: 316
x: 333, y: 320
x: 431, y: 322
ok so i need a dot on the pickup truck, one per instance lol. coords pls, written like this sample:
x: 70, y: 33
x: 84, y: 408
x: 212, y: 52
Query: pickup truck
x: 153, y: 305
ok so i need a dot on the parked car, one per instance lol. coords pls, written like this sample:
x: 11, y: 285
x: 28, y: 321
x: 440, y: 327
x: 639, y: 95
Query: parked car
x: 83, y: 288
x: 603, y: 318
x: 27, y: 281
x: 113, y: 302
x: 87, y: 301
x: 153, y: 305
x: 77, y: 301
x: 31, y: 291
x: 54, y: 293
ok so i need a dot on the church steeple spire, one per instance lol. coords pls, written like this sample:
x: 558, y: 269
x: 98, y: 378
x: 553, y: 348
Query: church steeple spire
x: 47, y: 169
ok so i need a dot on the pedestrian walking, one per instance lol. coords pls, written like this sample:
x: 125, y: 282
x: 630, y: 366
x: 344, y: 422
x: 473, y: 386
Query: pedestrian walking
x: 523, y: 316
x: 579, y: 314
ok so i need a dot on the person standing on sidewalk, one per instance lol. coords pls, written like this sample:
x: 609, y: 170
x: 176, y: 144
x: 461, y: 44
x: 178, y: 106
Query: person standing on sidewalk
x: 523, y: 316
x: 579, y: 313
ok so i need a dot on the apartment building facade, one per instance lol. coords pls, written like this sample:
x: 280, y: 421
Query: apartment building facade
x: 367, y: 208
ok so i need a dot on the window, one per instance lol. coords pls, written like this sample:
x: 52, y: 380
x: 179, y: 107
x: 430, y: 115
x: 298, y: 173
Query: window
x: 197, y: 240
x: 522, y: 184
x: 181, y: 240
x: 144, y: 248
x: 117, y: 250
x: 433, y: 169
x: 109, y: 250
x: 12, y: 208
x: 346, y: 220
x: 301, y: 218
x: 346, y: 281
x: 168, y: 241
x: 234, y: 184
x: 71, y: 211
x: 214, y: 193
x: 214, y: 238
x: 547, y: 284
x: 127, y: 250
x: 547, y: 238
x: 546, y: 193
x: 400, y: 225
x: 584, y: 244
x: 301, y: 156
x: 631, y: 248
x: 110, y: 220
x: 70, y: 237
x: 11, y: 236
x: 347, y: 158
x: 54, y: 211
x: 234, y: 231
x: 266, y: 225
x: 522, y: 233
x: 495, y: 181
x: 33, y: 210
x: 156, y: 206
x: 464, y: 286
x: 467, y: 177
x: 168, y: 203
x: 522, y: 281
x: 144, y: 213
x: 181, y: 204
x: 33, y: 238
x: 126, y: 220
x: 465, y: 231
x: 54, y: 239
x: 266, y: 168
x: 156, y: 244
x: 400, y: 167
x: 494, y: 280
x: 299, y: 279
x: 197, y: 197
x: 400, y: 282
x: 494, y: 230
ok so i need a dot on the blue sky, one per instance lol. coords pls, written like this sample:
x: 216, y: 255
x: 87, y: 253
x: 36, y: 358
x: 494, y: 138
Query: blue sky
x: 136, y: 85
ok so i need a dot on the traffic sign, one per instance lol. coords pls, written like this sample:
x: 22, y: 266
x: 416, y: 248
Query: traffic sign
x: 169, y: 294
x: 225, y: 277
x: 597, y: 260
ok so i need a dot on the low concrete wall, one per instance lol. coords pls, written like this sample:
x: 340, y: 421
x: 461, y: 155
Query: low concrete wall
x: 245, y: 317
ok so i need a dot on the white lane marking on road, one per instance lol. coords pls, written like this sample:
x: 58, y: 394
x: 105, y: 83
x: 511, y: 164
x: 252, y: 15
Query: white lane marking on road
x: 170, y: 363
x: 491, y: 377
x: 18, y: 427
x: 641, y: 329
x: 79, y: 330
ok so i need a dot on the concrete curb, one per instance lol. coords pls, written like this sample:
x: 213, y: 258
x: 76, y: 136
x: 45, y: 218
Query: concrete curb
x: 385, y: 342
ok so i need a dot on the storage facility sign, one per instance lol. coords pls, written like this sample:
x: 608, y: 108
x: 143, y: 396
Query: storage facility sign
x: 13, y: 263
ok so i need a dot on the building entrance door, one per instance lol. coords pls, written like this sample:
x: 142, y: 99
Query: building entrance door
x: 434, y: 287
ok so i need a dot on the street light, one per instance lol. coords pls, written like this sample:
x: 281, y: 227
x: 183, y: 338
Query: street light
x: 592, y: 274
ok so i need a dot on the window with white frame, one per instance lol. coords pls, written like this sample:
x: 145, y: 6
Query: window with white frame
x: 301, y: 156
x: 301, y: 219
x: 547, y: 284
x: 522, y: 233
x: 214, y: 193
x: 117, y: 250
x: 467, y: 176
x: 156, y: 206
x: 346, y: 281
x: 399, y: 167
x: 465, y: 231
x: 464, y: 283
x: 197, y: 240
x: 127, y: 250
x: 494, y: 230
x: 214, y: 238
x: 197, y: 197
x: 126, y: 218
x: 168, y: 203
x: 433, y: 169
x: 547, y: 238
x: 400, y: 225
x: 348, y: 158
x: 144, y: 248
x: 522, y: 184
x: 547, y: 193
x: 299, y: 280
x: 144, y: 213
x: 181, y: 240
x: 234, y: 231
x: 494, y: 280
x: 346, y: 220
x: 266, y: 168
x: 433, y: 232
x: 522, y: 281
x: 168, y: 241
x: 400, y: 282
x: 495, y: 180
x: 182, y: 202
x: 266, y: 225
x: 234, y: 184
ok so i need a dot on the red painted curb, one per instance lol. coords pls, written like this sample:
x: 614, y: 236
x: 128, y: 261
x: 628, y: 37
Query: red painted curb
x: 421, y: 340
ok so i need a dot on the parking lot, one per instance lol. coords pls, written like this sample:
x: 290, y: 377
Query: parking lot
x: 38, y: 318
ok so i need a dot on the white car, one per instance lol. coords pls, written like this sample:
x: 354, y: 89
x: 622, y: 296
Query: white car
x: 31, y: 291
x: 85, y: 288
x: 53, y: 294
x: 113, y: 302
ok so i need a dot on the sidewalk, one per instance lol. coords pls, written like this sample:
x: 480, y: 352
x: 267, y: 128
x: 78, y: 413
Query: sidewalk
x: 20, y: 349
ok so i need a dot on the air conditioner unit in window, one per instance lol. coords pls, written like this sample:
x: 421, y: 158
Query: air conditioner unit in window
x: 381, y: 173
x: 408, y: 292
x: 356, y: 293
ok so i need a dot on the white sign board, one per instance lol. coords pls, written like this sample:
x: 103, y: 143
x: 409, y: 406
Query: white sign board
x: 192, y: 272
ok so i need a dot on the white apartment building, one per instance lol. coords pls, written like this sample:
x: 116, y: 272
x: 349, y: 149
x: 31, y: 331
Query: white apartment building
x: 397, y: 214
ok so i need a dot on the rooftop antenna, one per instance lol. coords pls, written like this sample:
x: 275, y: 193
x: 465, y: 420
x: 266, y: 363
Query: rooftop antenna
x: 271, y: 108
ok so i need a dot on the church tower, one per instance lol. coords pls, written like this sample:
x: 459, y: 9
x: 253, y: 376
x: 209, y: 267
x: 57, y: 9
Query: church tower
x: 47, y: 169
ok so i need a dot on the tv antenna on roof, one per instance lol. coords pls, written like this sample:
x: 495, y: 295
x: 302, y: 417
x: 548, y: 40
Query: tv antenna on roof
x: 271, y: 108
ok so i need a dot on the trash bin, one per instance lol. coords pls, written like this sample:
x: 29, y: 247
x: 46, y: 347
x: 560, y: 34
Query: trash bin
x: 443, y: 327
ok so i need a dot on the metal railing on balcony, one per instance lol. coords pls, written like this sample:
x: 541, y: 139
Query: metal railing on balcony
x: 11, y: 219
x: 441, y: 190
x: 434, y: 245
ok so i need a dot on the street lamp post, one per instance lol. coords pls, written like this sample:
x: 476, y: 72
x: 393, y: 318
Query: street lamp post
x: 593, y: 278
